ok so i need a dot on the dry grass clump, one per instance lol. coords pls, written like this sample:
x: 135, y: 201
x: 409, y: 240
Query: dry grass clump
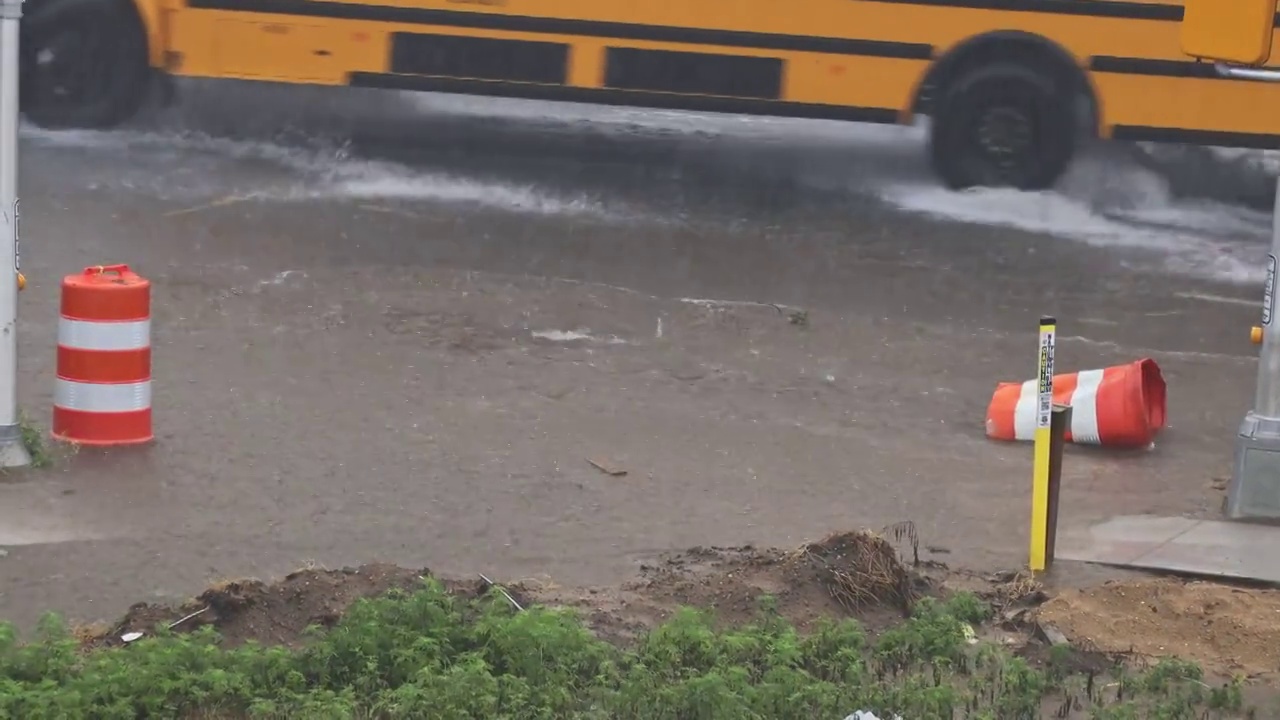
x: 1017, y: 588
x: 860, y: 569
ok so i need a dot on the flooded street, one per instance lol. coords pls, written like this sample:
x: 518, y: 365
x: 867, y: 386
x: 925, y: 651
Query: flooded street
x: 411, y: 329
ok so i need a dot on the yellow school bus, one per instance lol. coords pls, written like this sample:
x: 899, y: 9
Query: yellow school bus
x: 1011, y: 86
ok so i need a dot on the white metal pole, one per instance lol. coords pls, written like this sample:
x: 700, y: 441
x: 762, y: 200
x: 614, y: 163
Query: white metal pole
x: 13, y: 452
x: 1254, y: 491
x: 1266, y: 401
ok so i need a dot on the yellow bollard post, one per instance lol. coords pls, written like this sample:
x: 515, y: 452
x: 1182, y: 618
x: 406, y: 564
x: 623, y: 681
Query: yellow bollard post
x: 1043, y: 441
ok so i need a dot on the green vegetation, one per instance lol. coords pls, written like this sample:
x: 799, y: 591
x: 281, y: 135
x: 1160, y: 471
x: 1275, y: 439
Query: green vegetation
x: 428, y: 654
x: 33, y: 440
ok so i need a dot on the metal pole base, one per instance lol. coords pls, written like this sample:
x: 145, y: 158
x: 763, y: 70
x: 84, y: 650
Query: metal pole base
x: 1255, y: 479
x: 13, y: 452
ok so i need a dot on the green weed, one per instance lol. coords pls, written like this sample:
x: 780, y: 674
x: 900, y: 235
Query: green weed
x: 34, y: 441
x: 429, y: 654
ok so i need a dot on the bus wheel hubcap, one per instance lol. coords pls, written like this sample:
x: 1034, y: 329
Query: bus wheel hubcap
x: 1005, y: 136
x: 66, y: 67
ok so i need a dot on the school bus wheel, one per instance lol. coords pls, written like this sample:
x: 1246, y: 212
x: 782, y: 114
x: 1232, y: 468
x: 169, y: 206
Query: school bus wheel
x: 84, y: 63
x: 1003, y: 125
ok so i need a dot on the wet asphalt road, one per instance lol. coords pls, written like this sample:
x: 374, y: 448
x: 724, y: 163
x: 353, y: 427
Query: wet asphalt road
x: 404, y: 340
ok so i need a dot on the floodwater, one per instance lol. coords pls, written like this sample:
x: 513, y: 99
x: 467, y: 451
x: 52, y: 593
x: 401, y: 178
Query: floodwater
x: 398, y: 327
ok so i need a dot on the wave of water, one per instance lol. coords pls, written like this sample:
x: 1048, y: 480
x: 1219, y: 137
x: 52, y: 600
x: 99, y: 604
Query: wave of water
x: 195, y: 167
x: 1105, y: 200
x: 1110, y: 203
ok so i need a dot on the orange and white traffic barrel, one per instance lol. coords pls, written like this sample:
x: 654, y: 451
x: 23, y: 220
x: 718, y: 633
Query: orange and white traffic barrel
x: 103, y: 393
x: 1121, y: 406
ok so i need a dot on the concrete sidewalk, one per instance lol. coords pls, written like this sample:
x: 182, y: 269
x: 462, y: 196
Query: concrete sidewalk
x: 1214, y: 548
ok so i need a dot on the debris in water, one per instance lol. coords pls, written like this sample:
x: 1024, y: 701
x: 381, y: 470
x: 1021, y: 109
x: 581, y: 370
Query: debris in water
x: 562, y: 335
x: 228, y: 200
x: 606, y: 467
x: 575, y: 336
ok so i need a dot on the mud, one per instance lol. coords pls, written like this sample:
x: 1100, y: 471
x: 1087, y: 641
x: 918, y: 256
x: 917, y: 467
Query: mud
x: 1225, y: 629
x: 853, y: 574
x: 875, y: 577
x: 277, y: 613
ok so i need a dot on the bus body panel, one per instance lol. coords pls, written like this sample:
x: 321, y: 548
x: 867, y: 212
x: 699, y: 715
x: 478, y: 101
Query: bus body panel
x: 155, y: 15
x: 855, y: 59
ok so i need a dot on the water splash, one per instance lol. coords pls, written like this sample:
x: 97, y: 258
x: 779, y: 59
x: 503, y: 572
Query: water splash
x: 190, y: 167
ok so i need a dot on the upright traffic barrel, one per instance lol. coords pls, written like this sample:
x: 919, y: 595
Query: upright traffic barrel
x: 103, y: 393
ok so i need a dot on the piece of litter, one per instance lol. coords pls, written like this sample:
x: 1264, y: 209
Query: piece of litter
x: 181, y: 620
x: 1051, y: 634
x: 606, y: 467
x: 130, y: 637
x: 970, y: 636
x: 4, y: 553
x: 502, y: 590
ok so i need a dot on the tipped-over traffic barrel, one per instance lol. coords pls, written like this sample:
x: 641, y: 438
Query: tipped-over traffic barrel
x: 1121, y: 406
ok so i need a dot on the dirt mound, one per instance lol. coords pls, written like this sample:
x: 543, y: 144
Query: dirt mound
x: 275, y: 613
x: 854, y: 573
x: 1224, y: 628
x: 857, y: 573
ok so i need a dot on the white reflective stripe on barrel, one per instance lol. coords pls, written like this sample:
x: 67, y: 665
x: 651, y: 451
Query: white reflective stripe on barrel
x: 1084, y: 407
x: 1025, y: 412
x: 89, y: 335
x: 102, y: 397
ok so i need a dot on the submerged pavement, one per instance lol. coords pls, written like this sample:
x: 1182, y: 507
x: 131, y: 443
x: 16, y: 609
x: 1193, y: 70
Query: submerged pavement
x: 414, y: 346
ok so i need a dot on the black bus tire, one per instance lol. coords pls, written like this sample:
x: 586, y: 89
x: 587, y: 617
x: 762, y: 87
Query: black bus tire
x: 1003, y: 125
x: 99, y: 76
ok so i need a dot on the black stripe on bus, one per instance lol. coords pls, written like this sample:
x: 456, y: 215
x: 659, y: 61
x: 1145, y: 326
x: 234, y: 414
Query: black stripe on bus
x: 1158, y: 68
x: 629, y: 98
x: 1142, y: 133
x: 1148, y: 66
x: 589, y: 28
x: 1091, y: 8
x: 693, y: 73
x: 480, y: 58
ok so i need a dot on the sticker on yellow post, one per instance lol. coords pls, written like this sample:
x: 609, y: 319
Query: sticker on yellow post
x: 1234, y: 31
